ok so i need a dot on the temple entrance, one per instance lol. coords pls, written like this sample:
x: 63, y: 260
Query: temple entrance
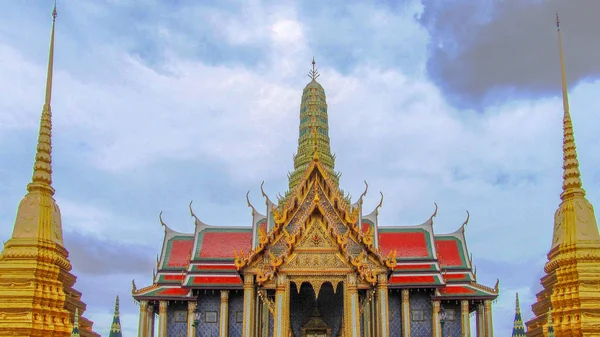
x: 316, y: 316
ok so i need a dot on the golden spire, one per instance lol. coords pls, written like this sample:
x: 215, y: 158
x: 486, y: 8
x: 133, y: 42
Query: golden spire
x: 42, y: 168
x: 571, y: 176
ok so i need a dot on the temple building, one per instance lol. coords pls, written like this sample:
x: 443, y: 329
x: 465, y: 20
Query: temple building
x: 314, y: 264
x: 570, y: 297
x: 37, y: 297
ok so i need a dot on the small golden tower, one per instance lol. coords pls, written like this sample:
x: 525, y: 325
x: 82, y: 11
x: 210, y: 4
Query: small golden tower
x: 571, y: 280
x: 36, y: 294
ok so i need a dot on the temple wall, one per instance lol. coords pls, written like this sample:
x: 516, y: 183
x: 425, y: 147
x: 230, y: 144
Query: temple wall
x: 452, y: 325
x: 236, y: 308
x: 176, y: 319
x: 209, y: 304
x: 420, y: 325
x: 394, y: 309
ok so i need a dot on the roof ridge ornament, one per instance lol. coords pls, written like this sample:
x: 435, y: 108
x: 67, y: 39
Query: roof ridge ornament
x: 314, y: 73
x: 435, y: 211
x: 380, y: 204
x: 360, y: 199
x: 466, y: 220
x: 249, y: 204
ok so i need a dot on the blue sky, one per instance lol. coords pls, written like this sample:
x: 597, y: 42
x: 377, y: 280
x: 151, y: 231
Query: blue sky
x: 156, y: 105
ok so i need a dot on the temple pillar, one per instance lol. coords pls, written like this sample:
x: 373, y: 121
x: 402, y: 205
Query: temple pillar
x: 143, y: 325
x: 382, y: 305
x: 351, y: 307
x: 281, y: 318
x: 224, y: 316
x: 464, y: 320
x: 366, y: 321
x: 191, y: 329
x: 480, y: 321
x: 436, y: 328
x: 489, y: 325
x: 405, y: 312
x: 264, y: 321
x: 162, y: 319
x: 374, y: 327
x: 248, y: 321
x: 150, y: 321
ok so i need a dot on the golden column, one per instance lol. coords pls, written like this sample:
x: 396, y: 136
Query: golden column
x: 224, y: 317
x: 382, y: 305
x: 435, y: 319
x: 191, y: 330
x: 162, y: 318
x: 248, y: 321
x: 374, y: 326
x: 142, y: 327
x: 264, y: 326
x: 150, y: 321
x: 351, y: 307
x: 489, y: 325
x: 480, y: 320
x: 464, y: 321
x: 281, y: 318
x: 405, y: 313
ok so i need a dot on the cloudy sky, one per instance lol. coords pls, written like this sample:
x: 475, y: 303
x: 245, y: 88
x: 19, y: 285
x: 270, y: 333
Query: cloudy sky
x: 455, y: 102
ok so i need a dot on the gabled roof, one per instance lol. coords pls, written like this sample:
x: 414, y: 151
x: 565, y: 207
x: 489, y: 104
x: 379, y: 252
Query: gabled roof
x: 314, y: 193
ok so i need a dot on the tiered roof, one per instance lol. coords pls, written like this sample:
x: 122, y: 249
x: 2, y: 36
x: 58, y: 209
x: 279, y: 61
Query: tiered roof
x: 212, y: 257
x: 205, y: 259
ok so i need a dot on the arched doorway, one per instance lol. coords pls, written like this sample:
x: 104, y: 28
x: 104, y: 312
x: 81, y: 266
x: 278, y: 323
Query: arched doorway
x: 312, y: 315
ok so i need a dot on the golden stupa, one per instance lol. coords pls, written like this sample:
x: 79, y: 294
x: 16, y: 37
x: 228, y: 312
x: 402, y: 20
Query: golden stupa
x: 36, y: 287
x: 571, y: 282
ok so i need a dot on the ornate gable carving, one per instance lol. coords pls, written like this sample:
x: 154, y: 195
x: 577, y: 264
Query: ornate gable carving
x: 315, y: 217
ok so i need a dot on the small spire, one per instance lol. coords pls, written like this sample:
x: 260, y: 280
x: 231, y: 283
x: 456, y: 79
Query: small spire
x: 518, y: 326
x: 42, y: 168
x: 313, y: 74
x: 75, y: 331
x: 115, y: 329
x: 572, y: 185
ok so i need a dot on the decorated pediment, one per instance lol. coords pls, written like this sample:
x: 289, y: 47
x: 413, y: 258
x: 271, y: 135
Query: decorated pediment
x: 315, y: 227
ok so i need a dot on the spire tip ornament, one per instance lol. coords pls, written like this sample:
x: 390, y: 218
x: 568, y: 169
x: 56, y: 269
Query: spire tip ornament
x: 313, y: 74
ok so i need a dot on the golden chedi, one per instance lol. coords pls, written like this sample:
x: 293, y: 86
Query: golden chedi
x: 36, y: 287
x: 571, y: 282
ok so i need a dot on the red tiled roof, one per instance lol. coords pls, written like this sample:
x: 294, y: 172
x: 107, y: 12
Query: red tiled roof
x: 214, y: 280
x: 401, y: 266
x: 178, y: 251
x: 414, y: 279
x: 449, y: 252
x: 221, y: 243
x: 408, y: 244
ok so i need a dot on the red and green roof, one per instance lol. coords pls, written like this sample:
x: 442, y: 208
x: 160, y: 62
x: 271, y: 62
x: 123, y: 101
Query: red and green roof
x: 410, y: 243
x: 404, y: 280
x: 466, y: 291
x: 214, y: 281
x: 176, y: 252
x: 221, y: 243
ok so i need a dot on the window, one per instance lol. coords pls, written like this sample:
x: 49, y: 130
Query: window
x: 450, y: 314
x: 418, y: 315
x: 180, y: 316
x: 210, y: 317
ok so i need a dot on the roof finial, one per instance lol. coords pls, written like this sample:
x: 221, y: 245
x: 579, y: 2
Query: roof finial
x: 115, y: 328
x: 313, y: 74
x: 572, y: 185
x: 42, y: 168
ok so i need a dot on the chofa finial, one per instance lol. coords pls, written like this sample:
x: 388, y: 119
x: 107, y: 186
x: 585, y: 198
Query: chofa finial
x: 313, y: 74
